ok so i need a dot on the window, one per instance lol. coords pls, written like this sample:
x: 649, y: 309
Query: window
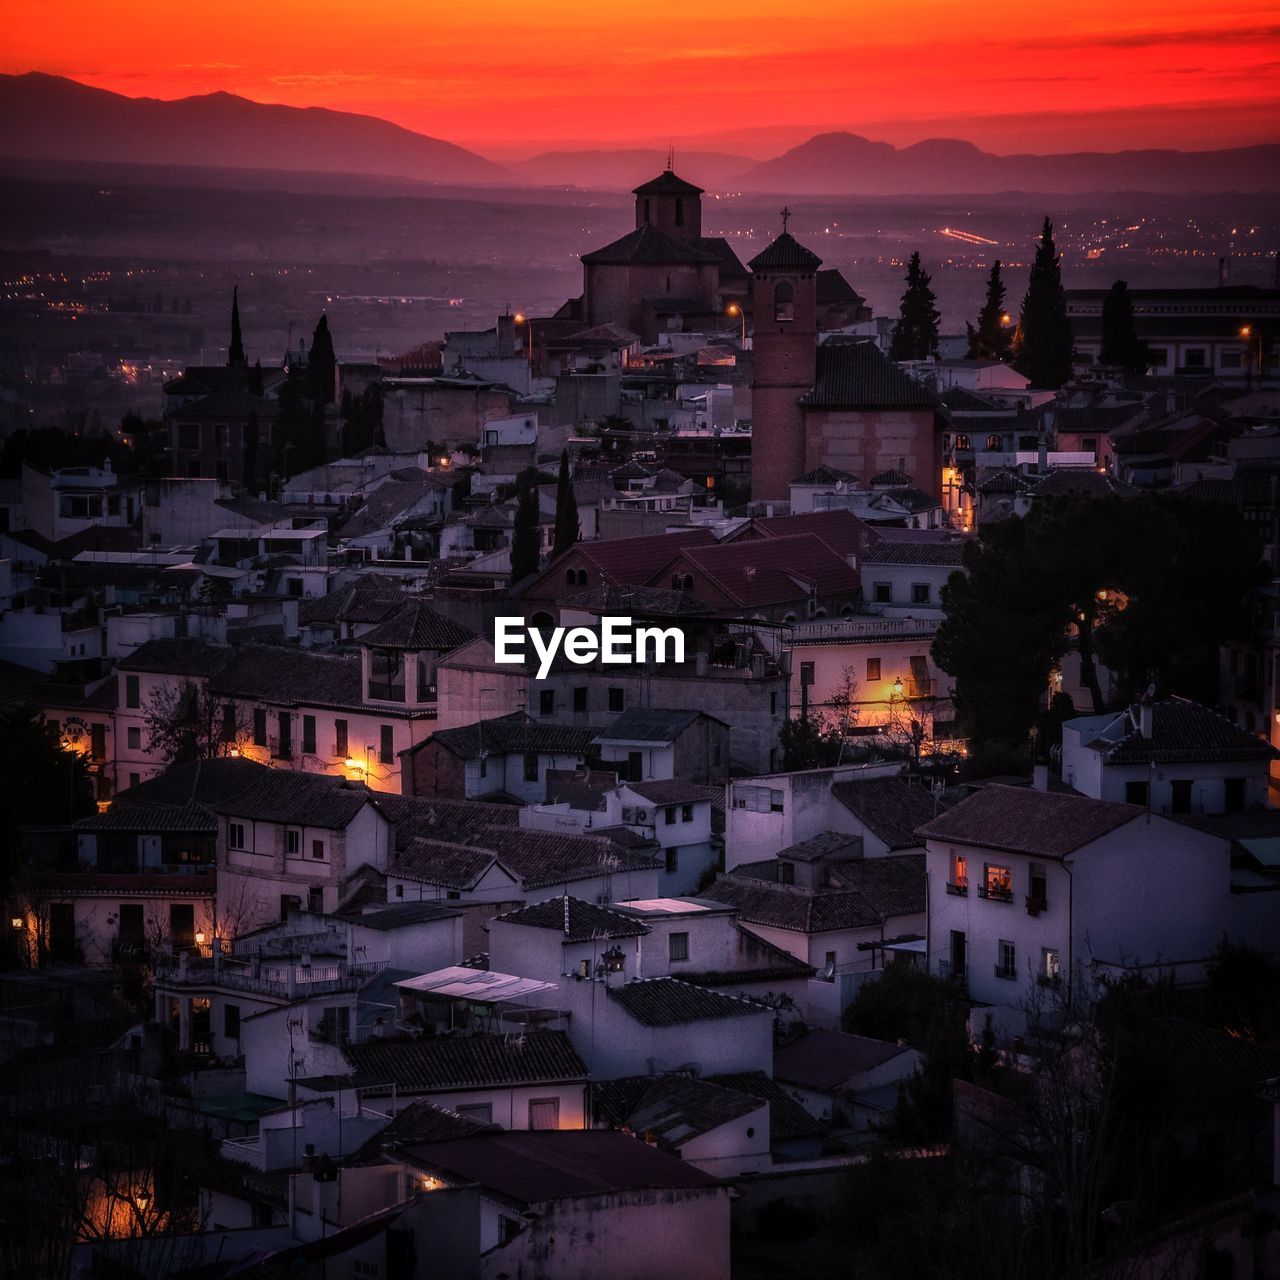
x: 806, y: 674
x: 544, y: 1113
x: 259, y: 726
x: 1195, y: 358
x: 580, y: 698
x: 679, y: 212
x: 1137, y: 792
x: 786, y: 873
x: 962, y: 442
x: 284, y: 744
x: 484, y: 764
x: 546, y: 702
x: 340, y: 738
x: 289, y: 902
x: 477, y: 1111
x: 231, y: 1021
x: 1180, y: 795
x: 182, y: 924
x: 1050, y: 965
x: 508, y: 1228
x: 399, y: 891
x: 134, y: 738
x: 132, y: 694
x: 1038, y: 885
x: 1006, y: 960
x: 646, y: 211
x: 386, y: 745
x: 784, y: 301
x: 757, y: 799
x: 686, y: 813
x: 673, y: 861
x: 773, y: 704
x: 997, y: 884
x: 293, y: 586
x: 317, y: 850
x: 228, y: 730
x: 617, y: 699
x: 919, y: 593
x: 292, y: 841
x: 873, y: 669
x: 1157, y: 357
x: 189, y: 436
x: 635, y: 766
x: 97, y: 741
x: 669, y: 814
x: 677, y: 946
x: 959, y: 883
x: 386, y: 675
x: 993, y: 443
x: 235, y: 835
x: 426, y: 679
x: 959, y: 953
x: 830, y: 965
x: 1233, y: 795
x: 309, y: 735
x: 882, y: 592
x: 531, y: 773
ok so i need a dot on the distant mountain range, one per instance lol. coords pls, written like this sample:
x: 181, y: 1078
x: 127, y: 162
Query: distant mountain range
x: 50, y: 118
x: 845, y: 164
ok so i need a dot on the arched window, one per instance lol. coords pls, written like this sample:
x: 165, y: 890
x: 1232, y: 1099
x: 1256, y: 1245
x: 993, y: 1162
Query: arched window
x: 784, y: 301
x: 962, y: 442
x: 993, y: 443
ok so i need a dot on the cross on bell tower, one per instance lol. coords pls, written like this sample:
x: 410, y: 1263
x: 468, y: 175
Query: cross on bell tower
x: 786, y: 217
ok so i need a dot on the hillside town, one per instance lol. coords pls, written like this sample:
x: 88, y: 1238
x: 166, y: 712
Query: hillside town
x: 917, y: 914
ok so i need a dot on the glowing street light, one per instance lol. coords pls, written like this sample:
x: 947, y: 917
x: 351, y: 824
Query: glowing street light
x: 733, y: 309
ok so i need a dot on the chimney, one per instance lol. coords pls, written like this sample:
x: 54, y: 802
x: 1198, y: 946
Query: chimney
x: 1040, y: 777
x: 1144, y: 720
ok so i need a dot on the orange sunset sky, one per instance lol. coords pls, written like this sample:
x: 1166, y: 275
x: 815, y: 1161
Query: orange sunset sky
x: 514, y: 76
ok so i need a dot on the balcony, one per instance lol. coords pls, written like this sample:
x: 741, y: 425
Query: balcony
x: 995, y: 893
x: 960, y: 889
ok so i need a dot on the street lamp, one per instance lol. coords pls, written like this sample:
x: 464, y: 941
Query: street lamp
x: 1246, y: 332
x: 733, y: 309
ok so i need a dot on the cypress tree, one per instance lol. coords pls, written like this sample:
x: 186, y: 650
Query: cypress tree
x: 1042, y: 346
x: 524, y: 537
x: 235, y: 353
x: 1120, y: 342
x: 568, y: 526
x: 990, y: 339
x: 322, y: 364
x: 915, y: 336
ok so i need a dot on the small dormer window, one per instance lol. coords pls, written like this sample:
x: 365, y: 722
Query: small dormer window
x: 784, y: 301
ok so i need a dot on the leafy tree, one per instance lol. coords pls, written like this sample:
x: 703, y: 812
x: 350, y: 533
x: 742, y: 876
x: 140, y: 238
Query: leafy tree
x: 1042, y: 345
x: 1120, y: 342
x: 235, y: 352
x: 42, y: 782
x: 990, y: 339
x: 568, y: 527
x: 807, y: 744
x: 525, y: 536
x: 322, y: 364
x: 915, y: 336
x: 186, y: 722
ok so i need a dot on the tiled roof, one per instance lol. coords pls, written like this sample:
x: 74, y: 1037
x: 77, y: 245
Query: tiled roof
x: 648, y: 245
x: 786, y: 253
x: 1183, y: 732
x: 825, y: 1060
x: 148, y: 818
x: 177, y: 657
x: 890, y: 479
x: 370, y: 598
x: 631, y: 560
x: 436, y: 819
x: 648, y: 724
x: 667, y: 184
x: 638, y: 601
x: 243, y: 789
x: 832, y: 288
x: 467, y: 1062
x: 1082, y: 482
x: 228, y: 404
x: 754, y: 572
x: 669, y: 1110
x: 400, y: 915
x: 422, y: 1121
x: 858, y: 375
x: 842, y: 531
x: 788, y: 1120
x: 825, y: 475
x: 516, y: 732
x: 291, y: 676
x: 575, y: 920
x: 890, y: 808
x: 826, y: 844
x: 440, y: 862
x: 1047, y: 824
x: 668, y: 1002
x: 418, y: 626
x: 760, y: 961
x: 536, y: 1166
x: 925, y: 553
x: 869, y: 892
x: 669, y: 791
x: 1004, y: 481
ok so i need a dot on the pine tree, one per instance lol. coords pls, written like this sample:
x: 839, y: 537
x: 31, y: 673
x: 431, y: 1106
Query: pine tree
x: 235, y: 353
x: 990, y: 339
x: 1120, y: 342
x: 1042, y: 346
x: 568, y: 527
x: 915, y: 336
x: 524, y: 536
x: 322, y: 364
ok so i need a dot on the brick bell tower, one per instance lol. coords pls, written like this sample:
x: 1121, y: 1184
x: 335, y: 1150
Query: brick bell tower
x: 784, y: 361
